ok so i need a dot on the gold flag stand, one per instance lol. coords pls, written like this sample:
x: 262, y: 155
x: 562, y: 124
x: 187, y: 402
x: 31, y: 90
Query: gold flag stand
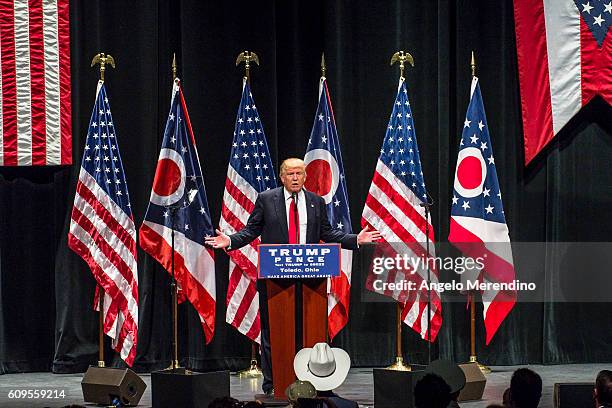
x: 483, y: 368
x: 101, y: 363
x: 101, y: 59
x: 253, y: 371
x: 399, y: 364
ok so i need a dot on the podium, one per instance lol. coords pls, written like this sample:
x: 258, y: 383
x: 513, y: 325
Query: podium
x: 285, y: 267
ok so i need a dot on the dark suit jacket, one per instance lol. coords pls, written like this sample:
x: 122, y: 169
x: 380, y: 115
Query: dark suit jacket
x: 269, y: 219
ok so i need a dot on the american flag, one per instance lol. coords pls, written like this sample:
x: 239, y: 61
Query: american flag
x: 250, y: 171
x: 35, y: 118
x: 478, y: 225
x: 564, y: 50
x: 326, y: 178
x: 393, y: 207
x: 102, y: 229
x: 178, y: 197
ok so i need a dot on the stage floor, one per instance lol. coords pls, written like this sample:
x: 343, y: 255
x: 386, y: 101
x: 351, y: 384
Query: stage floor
x: 358, y: 386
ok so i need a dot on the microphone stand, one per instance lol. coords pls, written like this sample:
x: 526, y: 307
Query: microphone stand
x: 427, y: 207
x: 182, y: 380
x: 298, y: 284
x: 174, y: 365
x: 172, y: 210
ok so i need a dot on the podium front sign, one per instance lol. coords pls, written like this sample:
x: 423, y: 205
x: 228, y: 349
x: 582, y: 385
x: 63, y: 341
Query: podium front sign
x: 298, y: 261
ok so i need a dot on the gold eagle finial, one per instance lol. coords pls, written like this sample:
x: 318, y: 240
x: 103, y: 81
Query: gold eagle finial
x: 247, y: 57
x: 402, y: 57
x: 103, y: 59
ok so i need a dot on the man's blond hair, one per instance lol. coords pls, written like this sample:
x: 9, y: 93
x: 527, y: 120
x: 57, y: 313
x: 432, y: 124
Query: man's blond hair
x: 291, y: 162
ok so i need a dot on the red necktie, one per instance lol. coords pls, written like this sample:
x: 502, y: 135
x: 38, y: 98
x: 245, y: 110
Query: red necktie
x: 294, y: 223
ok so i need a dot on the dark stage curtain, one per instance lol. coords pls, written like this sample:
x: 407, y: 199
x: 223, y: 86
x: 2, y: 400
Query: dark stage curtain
x: 46, y: 291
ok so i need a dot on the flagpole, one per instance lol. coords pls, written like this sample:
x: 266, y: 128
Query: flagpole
x: 174, y: 69
x: 323, y: 68
x: 427, y: 207
x: 253, y: 371
x: 174, y: 364
x: 399, y: 364
x: 101, y: 327
x: 473, y: 359
x: 174, y: 287
x: 172, y: 209
x: 323, y: 71
x: 473, y: 65
x: 101, y: 59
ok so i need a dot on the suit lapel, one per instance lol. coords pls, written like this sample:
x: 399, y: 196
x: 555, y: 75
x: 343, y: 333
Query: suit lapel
x: 281, y: 213
x: 310, y: 218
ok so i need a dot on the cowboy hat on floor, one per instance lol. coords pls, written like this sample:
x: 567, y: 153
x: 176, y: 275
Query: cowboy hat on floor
x: 323, y: 366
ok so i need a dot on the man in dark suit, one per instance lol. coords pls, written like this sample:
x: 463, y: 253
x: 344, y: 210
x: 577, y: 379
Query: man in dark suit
x: 287, y: 214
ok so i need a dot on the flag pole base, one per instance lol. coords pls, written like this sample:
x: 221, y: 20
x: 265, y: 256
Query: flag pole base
x: 174, y: 365
x: 252, y: 372
x: 399, y: 365
x: 483, y: 368
x: 101, y: 364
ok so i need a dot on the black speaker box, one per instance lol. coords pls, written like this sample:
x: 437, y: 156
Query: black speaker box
x: 395, y: 389
x: 188, y: 389
x: 573, y: 395
x: 475, y: 382
x: 101, y: 385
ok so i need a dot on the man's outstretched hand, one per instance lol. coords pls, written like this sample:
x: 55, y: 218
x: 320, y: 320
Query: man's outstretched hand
x: 223, y: 241
x: 368, y: 235
x: 220, y: 241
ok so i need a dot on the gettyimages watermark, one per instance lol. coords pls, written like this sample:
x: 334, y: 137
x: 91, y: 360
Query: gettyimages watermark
x: 522, y: 271
x: 410, y: 265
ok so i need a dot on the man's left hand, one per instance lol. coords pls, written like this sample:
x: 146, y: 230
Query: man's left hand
x: 368, y: 235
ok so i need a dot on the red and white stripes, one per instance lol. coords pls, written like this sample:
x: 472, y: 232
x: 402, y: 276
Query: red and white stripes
x: 194, y: 266
x: 393, y: 209
x: 489, y: 240
x: 561, y: 67
x: 242, y: 298
x: 105, y: 237
x: 339, y: 295
x: 35, y: 110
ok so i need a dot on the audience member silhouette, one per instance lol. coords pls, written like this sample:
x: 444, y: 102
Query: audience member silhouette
x: 602, y: 394
x: 525, y: 389
x: 432, y: 391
